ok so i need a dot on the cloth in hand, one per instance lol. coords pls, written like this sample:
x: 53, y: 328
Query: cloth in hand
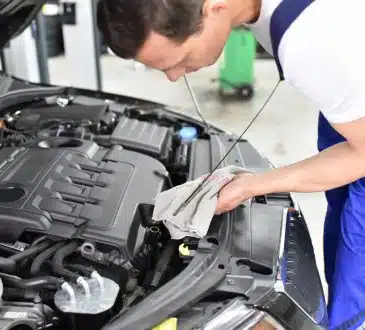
x: 194, y: 220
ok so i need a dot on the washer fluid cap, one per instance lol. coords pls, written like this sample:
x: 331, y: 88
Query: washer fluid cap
x: 188, y: 133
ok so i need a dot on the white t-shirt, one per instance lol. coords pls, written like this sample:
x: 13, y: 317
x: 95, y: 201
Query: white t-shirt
x: 322, y: 54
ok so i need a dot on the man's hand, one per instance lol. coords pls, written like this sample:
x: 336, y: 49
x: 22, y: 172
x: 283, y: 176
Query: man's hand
x: 235, y: 192
x: 334, y: 167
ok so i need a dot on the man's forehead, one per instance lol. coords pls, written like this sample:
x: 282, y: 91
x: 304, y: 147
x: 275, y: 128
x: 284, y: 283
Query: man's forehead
x: 159, y: 51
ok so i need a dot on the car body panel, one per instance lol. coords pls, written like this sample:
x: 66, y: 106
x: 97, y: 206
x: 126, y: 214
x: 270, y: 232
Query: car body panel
x: 15, y: 16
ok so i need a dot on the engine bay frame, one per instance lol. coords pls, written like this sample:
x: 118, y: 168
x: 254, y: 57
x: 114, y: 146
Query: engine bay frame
x: 245, y: 254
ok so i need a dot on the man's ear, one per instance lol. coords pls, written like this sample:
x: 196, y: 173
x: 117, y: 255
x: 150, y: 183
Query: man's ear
x: 214, y: 7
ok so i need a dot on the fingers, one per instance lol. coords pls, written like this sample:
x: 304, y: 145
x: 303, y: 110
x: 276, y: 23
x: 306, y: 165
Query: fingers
x: 224, y: 206
x: 219, y: 211
x: 228, y: 200
x: 224, y: 183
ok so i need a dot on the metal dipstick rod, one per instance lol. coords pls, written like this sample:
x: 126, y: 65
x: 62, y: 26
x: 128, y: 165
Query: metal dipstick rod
x: 195, y: 101
x: 196, y: 191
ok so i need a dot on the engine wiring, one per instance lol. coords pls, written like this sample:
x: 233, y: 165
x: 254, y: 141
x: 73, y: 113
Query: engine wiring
x: 10, y: 138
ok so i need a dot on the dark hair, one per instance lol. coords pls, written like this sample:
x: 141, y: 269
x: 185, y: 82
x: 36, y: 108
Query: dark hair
x: 126, y: 24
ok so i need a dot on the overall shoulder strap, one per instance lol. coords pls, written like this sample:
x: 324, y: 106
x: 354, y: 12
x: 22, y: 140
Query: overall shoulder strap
x: 284, y: 15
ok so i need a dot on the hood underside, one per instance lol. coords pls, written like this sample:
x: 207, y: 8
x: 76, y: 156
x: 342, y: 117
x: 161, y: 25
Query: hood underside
x: 15, y: 16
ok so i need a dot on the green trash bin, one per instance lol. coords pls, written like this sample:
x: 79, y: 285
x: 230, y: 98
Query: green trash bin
x: 236, y: 72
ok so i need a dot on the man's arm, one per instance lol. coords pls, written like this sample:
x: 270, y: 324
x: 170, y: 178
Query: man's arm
x: 324, y: 71
x: 331, y: 168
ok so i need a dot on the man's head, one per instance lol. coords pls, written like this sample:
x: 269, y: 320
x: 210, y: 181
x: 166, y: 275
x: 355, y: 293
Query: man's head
x: 175, y: 36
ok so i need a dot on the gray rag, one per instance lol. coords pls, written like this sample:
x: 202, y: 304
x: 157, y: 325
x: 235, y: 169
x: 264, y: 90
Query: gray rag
x: 194, y: 220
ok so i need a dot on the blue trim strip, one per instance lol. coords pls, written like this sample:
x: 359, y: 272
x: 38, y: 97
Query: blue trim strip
x: 284, y: 15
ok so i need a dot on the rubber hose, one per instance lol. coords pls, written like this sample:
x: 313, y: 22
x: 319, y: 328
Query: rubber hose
x: 23, y: 263
x: 38, y: 240
x: 30, y: 252
x: 163, y: 263
x: 36, y: 282
x: 142, y: 259
x: 84, y: 270
x: 60, y: 255
x: 17, y: 293
x: 42, y: 257
x: 7, y: 265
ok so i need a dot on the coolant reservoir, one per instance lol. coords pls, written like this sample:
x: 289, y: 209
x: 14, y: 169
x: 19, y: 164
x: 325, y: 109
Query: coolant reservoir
x: 187, y: 134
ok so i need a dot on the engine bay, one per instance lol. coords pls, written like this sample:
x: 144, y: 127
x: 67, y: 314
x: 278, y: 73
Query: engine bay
x: 78, y: 246
x: 77, y: 186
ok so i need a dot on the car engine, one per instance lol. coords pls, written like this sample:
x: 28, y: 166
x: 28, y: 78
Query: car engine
x: 78, y: 246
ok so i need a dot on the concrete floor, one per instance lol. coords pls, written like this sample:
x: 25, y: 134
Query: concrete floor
x: 285, y: 132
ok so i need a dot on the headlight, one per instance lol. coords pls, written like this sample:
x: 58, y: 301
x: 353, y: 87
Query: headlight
x: 237, y: 315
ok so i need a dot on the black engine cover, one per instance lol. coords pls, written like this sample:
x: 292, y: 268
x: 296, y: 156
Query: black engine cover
x: 78, y: 192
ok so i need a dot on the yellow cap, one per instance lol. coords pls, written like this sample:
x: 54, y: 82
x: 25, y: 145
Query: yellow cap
x: 169, y: 324
x: 184, y: 250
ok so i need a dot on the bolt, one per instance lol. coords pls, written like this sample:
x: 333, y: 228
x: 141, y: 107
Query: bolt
x: 231, y: 282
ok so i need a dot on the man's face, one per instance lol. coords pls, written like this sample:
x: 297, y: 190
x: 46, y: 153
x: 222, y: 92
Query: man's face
x: 198, y: 51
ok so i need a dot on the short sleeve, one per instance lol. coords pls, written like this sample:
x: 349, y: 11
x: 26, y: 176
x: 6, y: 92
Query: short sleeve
x: 323, y: 57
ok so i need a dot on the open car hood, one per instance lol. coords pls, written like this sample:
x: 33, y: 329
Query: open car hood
x: 15, y: 16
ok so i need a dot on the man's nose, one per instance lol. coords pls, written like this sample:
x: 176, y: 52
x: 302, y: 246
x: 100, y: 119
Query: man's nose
x: 175, y: 74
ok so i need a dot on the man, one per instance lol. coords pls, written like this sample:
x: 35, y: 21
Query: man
x: 318, y: 46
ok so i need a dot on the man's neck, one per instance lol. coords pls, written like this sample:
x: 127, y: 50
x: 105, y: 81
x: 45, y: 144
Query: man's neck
x: 244, y: 11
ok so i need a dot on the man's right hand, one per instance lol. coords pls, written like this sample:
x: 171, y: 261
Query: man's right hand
x: 235, y: 192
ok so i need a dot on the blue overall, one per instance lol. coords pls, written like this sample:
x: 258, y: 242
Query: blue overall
x: 344, y: 228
